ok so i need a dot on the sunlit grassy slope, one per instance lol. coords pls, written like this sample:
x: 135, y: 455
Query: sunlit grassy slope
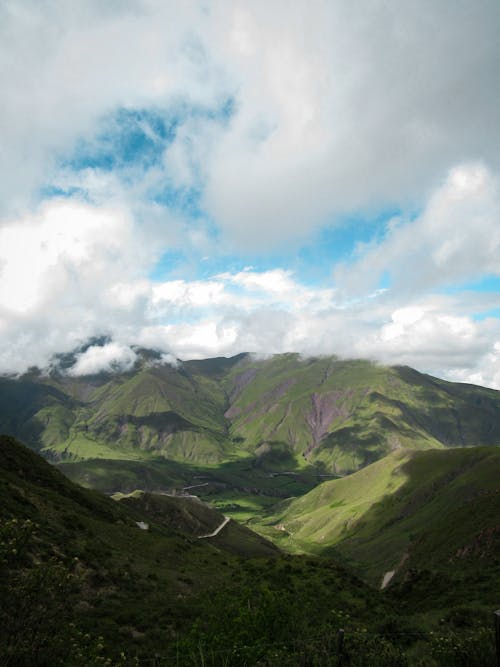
x: 328, y: 513
x: 414, y: 510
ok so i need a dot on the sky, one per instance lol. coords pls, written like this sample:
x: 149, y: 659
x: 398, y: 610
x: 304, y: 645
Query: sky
x: 207, y: 178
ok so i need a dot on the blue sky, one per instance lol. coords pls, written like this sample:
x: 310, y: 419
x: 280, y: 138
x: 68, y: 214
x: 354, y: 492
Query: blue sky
x: 211, y: 178
x: 132, y: 139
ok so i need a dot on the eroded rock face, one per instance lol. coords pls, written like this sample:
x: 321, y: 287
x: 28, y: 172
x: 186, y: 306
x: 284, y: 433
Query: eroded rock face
x: 325, y: 409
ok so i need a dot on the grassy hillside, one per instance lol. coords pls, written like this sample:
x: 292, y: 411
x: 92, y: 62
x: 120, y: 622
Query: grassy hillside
x: 82, y: 583
x: 154, y: 410
x: 430, y: 517
x: 193, y: 517
x: 342, y: 415
x: 241, y: 488
x: 284, y: 411
x: 325, y: 515
x: 118, y: 475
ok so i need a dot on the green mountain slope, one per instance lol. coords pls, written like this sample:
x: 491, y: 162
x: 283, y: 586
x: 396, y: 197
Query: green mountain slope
x: 191, y: 516
x: 31, y: 488
x: 412, y: 512
x: 154, y: 409
x: 342, y: 415
x: 98, y: 543
x: 283, y: 415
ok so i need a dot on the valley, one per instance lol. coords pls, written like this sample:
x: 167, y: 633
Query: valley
x: 261, y: 479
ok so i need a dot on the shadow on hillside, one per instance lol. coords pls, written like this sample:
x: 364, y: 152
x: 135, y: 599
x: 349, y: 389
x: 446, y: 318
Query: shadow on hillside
x: 20, y: 402
x: 443, y: 519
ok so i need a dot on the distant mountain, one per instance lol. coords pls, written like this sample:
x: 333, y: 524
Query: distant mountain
x: 283, y: 412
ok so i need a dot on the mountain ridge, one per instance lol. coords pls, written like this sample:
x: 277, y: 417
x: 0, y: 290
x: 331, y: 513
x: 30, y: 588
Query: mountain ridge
x: 338, y: 415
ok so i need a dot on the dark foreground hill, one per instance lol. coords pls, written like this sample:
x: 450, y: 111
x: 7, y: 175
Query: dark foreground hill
x: 87, y: 580
x: 84, y: 577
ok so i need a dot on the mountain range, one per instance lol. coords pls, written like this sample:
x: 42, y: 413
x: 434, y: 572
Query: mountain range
x: 382, y: 479
x: 334, y: 414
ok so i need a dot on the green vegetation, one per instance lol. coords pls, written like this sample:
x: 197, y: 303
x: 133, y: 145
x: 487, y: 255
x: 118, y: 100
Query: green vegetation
x: 259, y: 431
x: 285, y: 413
x: 83, y: 584
x: 104, y: 586
x: 334, y: 509
x: 363, y: 474
x: 429, y: 517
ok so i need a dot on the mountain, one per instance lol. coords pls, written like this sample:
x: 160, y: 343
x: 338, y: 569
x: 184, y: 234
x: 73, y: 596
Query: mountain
x: 286, y: 411
x: 154, y: 409
x: 366, y: 472
x: 342, y: 415
x: 252, y: 431
x: 67, y: 514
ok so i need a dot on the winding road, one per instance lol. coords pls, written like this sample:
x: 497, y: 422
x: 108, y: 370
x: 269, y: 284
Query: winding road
x: 217, y: 530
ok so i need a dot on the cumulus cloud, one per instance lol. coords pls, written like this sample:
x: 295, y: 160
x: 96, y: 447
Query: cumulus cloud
x: 423, y: 332
x: 263, y: 312
x: 65, y: 247
x: 347, y: 108
x: 63, y: 65
x: 66, y: 276
x: 486, y: 370
x: 455, y: 238
x: 106, y: 358
x: 60, y: 271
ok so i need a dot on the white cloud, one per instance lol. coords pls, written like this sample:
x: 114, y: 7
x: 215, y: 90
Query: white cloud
x: 110, y: 357
x: 276, y: 281
x: 68, y: 276
x: 454, y: 239
x: 61, y: 270
x: 62, y: 68
x: 65, y: 247
x: 334, y: 107
x: 183, y: 294
x: 348, y: 107
x: 422, y: 333
x: 486, y: 370
x: 194, y: 320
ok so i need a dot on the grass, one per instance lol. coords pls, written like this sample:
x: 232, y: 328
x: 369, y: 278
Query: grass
x: 111, y: 475
x: 82, y: 447
x: 144, y: 591
x: 239, y: 506
x: 326, y: 513
x: 235, y: 596
x: 433, y: 510
x: 259, y: 433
